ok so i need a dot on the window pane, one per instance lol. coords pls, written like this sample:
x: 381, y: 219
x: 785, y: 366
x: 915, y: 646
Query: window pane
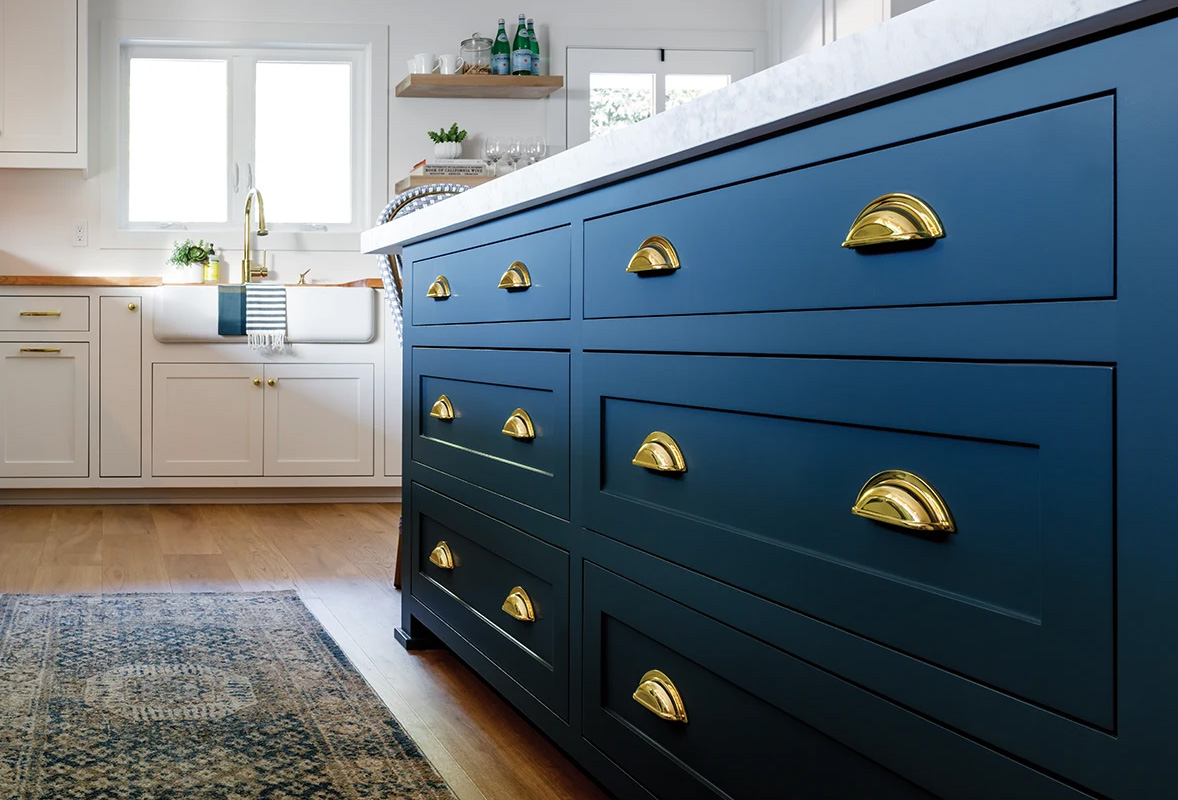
x: 618, y: 99
x: 683, y: 88
x: 303, y: 141
x: 177, y: 140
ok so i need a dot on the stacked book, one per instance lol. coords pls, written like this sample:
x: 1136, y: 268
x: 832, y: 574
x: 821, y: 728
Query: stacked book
x: 466, y: 167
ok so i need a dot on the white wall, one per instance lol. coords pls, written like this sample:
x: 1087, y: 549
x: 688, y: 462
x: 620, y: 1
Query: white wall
x: 38, y: 207
x: 799, y: 26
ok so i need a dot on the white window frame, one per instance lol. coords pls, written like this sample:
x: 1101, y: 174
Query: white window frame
x: 366, y: 47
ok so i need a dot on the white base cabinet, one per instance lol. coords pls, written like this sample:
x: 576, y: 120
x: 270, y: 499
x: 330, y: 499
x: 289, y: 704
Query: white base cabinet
x: 240, y: 420
x: 120, y: 389
x: 44, y: 409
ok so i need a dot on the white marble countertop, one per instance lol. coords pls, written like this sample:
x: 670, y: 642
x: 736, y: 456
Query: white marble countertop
x: 932, y: 42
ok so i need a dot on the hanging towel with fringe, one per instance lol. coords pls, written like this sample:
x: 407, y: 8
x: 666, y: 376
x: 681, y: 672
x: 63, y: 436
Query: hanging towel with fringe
x: 265, y: 317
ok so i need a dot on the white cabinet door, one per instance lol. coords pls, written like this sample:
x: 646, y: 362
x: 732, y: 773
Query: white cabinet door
x: 319, y: 419
x: 38, y: 78
x: 44, y: 409
x: 206, y: 419
x: 120, y: 341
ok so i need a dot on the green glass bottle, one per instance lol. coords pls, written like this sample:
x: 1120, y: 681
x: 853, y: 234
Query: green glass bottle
x: 535, y: 44
x: 521, y: 50
x: 501, y: 53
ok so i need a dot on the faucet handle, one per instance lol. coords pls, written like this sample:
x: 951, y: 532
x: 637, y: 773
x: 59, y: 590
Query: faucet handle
x: 303, y: 277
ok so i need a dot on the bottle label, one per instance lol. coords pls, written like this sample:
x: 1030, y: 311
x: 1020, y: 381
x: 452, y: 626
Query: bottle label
x: 521, y: 61
x: 500, y: 64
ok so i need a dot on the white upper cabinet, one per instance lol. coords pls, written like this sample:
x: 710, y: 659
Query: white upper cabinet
x: 43, y: 83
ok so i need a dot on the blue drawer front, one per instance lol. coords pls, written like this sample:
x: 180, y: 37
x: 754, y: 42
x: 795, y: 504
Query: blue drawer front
x: 485, y: 387
x: 474, y: 275
x: 1026, y: 203
x: 1020, y: 597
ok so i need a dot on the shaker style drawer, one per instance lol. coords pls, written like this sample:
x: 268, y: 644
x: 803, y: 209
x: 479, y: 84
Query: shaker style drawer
x: 694, y: 709
x: 504, y: 591
x: 498, y: 419
x: 45, y: 313
x: 1025, y: 206
x: 982, y: 533
x: 526, y: 278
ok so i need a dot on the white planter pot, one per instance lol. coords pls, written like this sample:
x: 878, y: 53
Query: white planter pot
x: 192, y: 273
x: 447, y: 149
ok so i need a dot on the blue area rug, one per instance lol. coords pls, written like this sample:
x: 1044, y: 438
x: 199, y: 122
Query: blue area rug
x: 228, y: 696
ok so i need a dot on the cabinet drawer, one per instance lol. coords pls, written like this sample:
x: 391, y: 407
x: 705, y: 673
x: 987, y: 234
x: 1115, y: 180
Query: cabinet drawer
x: 1007, y: 193
x: 739, y: 739
x: 1019, y: 597
x: 45, y: 313
x: 478, y: 565
x: 473, y: 280
x: 486, y: 390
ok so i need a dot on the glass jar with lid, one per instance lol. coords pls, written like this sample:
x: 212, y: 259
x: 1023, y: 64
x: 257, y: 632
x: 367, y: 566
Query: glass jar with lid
x: 476, y: 55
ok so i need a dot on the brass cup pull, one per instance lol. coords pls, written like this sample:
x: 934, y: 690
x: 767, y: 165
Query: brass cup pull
x: 40, y: 349
x: 660, y: 453
x: 519, y: 425
x: 658, y: 695
x: 441, y: 556
x: 519, y: 606
x: 131, y: 306
x: 40, y: 313
x: 272, y: 382
x: 654, y: 256
x: 517, y: 278
x: 894, y: 218
x: 439, y: 289
x: 896, y: 497
x: 442, y: 409
x: 257, y: 381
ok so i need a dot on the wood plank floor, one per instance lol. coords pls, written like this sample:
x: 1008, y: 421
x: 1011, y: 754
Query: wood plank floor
x: 340, y: 558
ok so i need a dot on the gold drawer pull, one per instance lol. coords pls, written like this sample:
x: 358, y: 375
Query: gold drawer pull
x: 519, y: 425
x: 660, y: 453
x: 894, y: 218
x: 517, y: 278
x: 40, y: 349
x: 40, y: 313
x: 656, y: 255
x: 439, y: 289
x: 443, y: 409
x: 519, y: 605
x: 658, y: 695
x: 896, y: 497
x: 441, y: 556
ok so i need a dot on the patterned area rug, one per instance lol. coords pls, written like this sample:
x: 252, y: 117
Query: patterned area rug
x: 228, y: 696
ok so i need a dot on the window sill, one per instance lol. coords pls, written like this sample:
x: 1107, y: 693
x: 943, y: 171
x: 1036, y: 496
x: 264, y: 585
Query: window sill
x: 231, y: 239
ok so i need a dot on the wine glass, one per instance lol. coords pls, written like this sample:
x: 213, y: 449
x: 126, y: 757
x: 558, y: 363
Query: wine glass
x: 534, y: 148
x: 493, y: 150
x: 513, y: 151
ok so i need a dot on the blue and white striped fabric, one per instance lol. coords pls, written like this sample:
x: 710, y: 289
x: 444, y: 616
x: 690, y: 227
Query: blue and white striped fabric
x: 265, y: 317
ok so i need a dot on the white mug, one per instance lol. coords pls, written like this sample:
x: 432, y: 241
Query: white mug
x: 451, y: 64
x: 426, y: 62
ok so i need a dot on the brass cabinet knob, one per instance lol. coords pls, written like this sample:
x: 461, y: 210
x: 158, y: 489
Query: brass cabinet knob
x: 517, y: 278
x: 656, y: 255
x: 131, y: 306
x: 441, y: 556
x: 894, y: 218
x: 257, y: 381
x: 660, y: 453
x: 519, y: 425
x: 658, y: 695
x: 442, y: 409
x: 903, y: 499
x: 519, y: 606
x: 439, y: 289
x: 272, y: 382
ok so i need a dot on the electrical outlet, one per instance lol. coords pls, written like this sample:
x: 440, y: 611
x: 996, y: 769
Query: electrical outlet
x: 81, y: 234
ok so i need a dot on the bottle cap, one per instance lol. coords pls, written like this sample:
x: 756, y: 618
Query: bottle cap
x: 501, y: 22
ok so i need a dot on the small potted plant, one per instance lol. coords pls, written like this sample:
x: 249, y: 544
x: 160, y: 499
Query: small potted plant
x: 189, y: 258
x: 447, y: 143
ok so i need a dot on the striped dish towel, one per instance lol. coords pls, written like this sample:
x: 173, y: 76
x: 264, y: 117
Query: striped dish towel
x: 265, y: 317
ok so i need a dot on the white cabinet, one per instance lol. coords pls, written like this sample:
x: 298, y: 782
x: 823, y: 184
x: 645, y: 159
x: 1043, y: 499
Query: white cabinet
x: 120, y: 346
x: 42, y: 83
x: 44, y: 409
x: 253, y: 420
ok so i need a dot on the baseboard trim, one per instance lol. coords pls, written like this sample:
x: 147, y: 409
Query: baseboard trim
x: 326, y: 494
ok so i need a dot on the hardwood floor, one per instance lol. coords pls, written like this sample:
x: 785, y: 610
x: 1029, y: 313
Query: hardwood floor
x: 340, y: 559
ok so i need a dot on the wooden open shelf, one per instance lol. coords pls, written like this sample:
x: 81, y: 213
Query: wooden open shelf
x: 526, y: 87
x: 413, y: 181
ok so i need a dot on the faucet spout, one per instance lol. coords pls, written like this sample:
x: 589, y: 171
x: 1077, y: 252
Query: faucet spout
x: 248, y: 270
